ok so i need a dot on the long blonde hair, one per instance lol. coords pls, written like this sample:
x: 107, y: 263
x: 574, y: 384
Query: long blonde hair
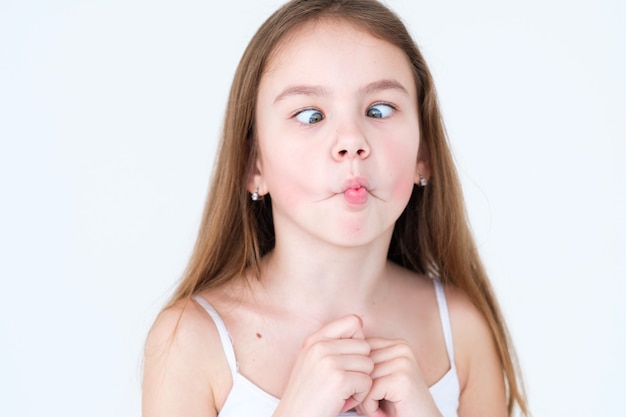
x: 431, y: 236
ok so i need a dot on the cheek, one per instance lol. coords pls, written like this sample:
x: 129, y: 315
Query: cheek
x: 289, y: 180
x: 402, y: 163
x: 402, y: 189
x: 401, y: 169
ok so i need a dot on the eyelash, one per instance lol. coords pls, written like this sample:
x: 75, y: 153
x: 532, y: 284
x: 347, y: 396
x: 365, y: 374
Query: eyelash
x: 383, y: 103
x: 314, y: 110
x: 299, y: 112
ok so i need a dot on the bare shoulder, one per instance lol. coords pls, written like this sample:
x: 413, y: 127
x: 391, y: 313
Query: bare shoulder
x: 476, y: 357
x: 468, y: 324
x: 183, y: 362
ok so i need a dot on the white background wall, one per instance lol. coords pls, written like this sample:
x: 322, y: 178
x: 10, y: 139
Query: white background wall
x: 109, y: 115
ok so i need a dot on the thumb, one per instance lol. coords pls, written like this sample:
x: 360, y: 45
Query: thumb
x: 378, y: 412
x: 346, y: 327
x: 350, y: 403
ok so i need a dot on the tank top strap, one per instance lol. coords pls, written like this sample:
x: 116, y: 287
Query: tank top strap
x: 227, y: 343
x: 445, y: 321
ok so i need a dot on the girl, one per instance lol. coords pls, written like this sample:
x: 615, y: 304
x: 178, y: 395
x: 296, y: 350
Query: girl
x: 334, y: 272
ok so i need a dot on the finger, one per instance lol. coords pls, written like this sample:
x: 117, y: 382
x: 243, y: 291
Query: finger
x: 379, y: 412
x: 338, y: 347
x: 347, y: 327
x: 397, y: 360
x: 351, y: 363
x: 349, y: 404
x: 359, y: 333
x: 370, y: 406
x: 396, y: 380
x: 382, y: 352
x: 370, y: 409
x: 382, y: 343
x: 360, y: 384
x: 390, y: 367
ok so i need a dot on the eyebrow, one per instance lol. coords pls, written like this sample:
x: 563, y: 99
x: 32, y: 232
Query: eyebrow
x: 383, y: 85
x: 311, y: 90
x: 304, y: 90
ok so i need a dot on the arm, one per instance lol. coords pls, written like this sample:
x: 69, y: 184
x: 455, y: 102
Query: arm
x: 183, y: 361
x: 480, y: 370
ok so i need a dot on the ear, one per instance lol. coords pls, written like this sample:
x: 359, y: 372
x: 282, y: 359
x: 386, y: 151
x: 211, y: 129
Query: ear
x: 423, y: 163
x: 256, y: 180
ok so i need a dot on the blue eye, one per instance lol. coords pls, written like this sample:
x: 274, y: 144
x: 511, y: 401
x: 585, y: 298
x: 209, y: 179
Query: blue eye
x: 380, y: 111
x: 309, y: 116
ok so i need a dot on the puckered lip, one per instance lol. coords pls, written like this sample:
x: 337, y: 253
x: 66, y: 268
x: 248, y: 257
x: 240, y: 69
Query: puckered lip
x: 355, y: 183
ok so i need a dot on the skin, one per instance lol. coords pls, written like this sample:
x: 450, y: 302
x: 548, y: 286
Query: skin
x: 339, y: 178
x: 305, y: 167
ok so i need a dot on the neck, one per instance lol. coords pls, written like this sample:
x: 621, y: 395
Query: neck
x: 330, y: 281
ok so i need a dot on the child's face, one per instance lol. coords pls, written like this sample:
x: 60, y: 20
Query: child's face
x: 338, y: 135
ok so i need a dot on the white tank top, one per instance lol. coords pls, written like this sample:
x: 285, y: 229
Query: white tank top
x: 247, y: 399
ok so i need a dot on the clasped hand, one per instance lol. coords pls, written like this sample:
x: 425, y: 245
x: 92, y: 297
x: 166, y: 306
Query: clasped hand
x: 339, y: 369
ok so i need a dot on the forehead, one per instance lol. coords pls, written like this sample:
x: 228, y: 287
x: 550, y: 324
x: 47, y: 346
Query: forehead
x: 317, y: 50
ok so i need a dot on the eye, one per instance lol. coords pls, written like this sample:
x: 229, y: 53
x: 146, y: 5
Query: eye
x: 309, y: 116
x: 380, y: 111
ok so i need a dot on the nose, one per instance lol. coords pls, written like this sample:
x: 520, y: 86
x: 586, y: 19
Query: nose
x: 350, y: 143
